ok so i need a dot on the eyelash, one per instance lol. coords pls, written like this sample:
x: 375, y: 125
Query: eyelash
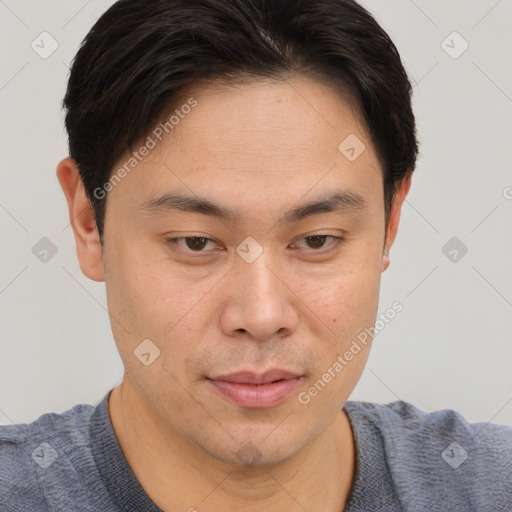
x: 337, y: 241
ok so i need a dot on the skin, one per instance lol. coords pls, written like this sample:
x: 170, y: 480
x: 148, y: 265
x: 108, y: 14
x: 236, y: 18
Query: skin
x: 259, y: 148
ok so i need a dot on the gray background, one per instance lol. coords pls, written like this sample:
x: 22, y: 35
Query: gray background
x: 450, y: 347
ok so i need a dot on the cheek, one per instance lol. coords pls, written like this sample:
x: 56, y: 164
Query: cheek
x: 348, y: 309
x: 145, y: 291
x: 150, y: 300
x: 348, y: 298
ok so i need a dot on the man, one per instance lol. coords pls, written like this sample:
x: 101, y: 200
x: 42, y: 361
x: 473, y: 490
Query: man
x: 236, y: 176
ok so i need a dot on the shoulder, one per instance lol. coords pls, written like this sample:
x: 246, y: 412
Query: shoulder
x: 27, y: 449
x: 445, y: 422
x: 67, y: 426
x: 441, y: 454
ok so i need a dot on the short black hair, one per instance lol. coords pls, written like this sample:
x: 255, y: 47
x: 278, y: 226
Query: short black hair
x: 142, y: 54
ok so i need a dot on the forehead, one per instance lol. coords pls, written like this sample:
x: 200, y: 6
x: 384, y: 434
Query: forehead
x: 264, y: 139
x: 268, y: 118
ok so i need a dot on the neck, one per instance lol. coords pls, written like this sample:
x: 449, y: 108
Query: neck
x: 177, y: 475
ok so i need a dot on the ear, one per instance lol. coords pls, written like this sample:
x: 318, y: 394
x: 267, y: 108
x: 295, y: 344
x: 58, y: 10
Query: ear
x: 394, y: 218
x: 81, y: 216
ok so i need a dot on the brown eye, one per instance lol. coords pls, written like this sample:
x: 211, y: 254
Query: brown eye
x: 316, y: 241
x: 192, y: 243
x: 195, y: 242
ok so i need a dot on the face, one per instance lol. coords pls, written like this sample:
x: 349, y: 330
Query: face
x: 252, y: 304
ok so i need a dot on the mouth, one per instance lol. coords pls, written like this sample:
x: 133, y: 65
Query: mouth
x: 251, y: 390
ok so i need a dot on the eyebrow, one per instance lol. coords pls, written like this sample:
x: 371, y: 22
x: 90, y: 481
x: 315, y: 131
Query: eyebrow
x: 340, y: 201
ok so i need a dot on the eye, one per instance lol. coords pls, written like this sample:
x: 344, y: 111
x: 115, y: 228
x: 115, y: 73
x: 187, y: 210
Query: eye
x: 197, y: 244
x: 317, y: 242
x: 192, y: 243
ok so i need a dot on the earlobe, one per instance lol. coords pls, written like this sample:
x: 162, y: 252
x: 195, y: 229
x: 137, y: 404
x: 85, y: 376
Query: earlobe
x: 81, y: 216
x: 385, y: 260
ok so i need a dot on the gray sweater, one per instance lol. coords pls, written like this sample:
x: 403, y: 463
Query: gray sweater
x: 406, y: 459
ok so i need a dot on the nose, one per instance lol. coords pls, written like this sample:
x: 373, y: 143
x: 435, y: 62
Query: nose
x: 261, y: 302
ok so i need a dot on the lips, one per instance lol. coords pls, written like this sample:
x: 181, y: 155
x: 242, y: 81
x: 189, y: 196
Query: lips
x: 257, y: 390
x: 255, y: 378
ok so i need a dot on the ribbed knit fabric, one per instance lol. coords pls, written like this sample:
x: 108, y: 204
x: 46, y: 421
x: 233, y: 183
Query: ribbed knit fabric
x: 406, y: 460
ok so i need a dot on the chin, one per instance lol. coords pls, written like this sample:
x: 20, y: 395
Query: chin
x: 264, y: 450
